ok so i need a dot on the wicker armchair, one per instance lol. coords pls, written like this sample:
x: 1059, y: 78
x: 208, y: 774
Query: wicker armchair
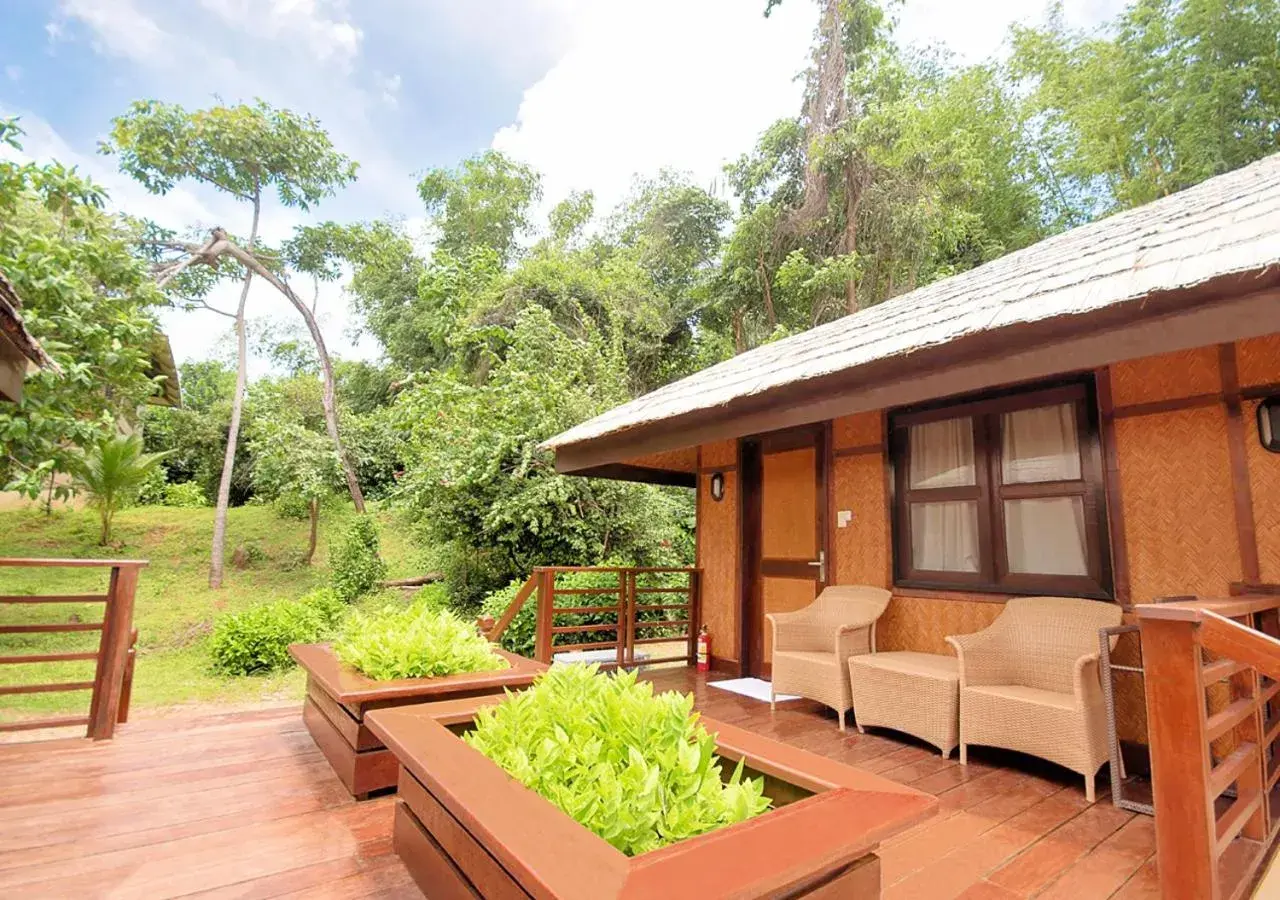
x: 811, y: 646
x: 1029, y: 682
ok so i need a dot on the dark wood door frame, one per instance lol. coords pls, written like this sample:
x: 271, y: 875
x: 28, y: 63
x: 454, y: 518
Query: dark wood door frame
x: 751, y: 451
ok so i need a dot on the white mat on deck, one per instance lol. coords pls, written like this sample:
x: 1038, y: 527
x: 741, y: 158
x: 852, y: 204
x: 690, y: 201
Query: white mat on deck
x: 755, y: 688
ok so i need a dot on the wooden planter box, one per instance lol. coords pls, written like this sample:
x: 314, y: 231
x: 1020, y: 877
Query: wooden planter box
x: 466, y: 829
x: 338, y: 698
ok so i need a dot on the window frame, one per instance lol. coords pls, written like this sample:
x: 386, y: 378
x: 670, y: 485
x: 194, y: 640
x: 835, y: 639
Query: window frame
x: 990, y: 493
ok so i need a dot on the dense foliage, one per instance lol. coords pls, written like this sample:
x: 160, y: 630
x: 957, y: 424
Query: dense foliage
x: 418, y: 641
x: 257, y: 640
x: 87, y: 298
x: 633, y: 766
x: 354, y: 563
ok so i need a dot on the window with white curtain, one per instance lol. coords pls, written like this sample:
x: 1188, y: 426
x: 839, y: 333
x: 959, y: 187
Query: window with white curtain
x: 1002, y: 493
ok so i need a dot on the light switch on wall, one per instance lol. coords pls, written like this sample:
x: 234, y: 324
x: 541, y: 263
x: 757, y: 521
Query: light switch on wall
x: 843, y: 518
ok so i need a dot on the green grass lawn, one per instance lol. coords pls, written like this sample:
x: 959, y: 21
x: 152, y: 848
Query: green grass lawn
x: 175, y: 608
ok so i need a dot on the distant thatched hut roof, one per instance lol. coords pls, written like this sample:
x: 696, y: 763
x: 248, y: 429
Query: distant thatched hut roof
x: 19, y: 351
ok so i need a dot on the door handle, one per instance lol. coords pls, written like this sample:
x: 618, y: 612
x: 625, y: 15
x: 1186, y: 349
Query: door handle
x: 821, y: 563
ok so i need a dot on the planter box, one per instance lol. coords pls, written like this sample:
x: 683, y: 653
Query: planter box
x: 338, y: 698
x: 466, y: 829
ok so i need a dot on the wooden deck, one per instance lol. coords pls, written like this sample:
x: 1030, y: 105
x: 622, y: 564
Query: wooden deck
x: 243, y: 805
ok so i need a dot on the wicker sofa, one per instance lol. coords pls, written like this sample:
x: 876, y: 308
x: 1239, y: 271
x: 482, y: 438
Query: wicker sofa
x: 1029, y: 682
x: 811, y: 646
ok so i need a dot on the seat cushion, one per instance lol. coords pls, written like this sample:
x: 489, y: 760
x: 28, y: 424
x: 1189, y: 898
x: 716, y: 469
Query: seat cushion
x: 1029, y: 695
x: 908, y: 662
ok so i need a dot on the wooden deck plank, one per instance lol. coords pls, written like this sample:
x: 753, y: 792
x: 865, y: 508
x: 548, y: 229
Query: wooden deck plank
x: 241, y: 805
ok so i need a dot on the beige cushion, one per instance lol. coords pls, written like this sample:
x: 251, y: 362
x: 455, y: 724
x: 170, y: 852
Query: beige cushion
x: 908, y: 662
x: 809, y: 658
x: 1021, y: 694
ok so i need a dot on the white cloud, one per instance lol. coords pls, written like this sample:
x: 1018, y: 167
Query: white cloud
x: 664, y: 83
x: 389, y: 85
x: 322, y: 26
x: 119, y: 28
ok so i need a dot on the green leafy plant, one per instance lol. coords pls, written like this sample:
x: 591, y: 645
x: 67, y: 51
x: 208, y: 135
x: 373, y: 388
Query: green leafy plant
x: 354, y: 563
x: 188, y: 495
x: 634, y: 767
x: 418, y: 641
x: 257, y: 640
x: 111, y: 472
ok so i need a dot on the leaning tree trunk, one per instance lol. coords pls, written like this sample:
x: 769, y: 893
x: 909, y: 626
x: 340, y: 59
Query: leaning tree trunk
x: 314, y: 509
x: 218, y: 551
x: 326, y: 364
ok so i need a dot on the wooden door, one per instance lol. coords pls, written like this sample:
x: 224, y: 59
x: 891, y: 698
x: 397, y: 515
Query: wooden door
x: 785, y: 524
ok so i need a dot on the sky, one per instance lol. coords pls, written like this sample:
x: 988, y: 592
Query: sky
x: 589, y: 92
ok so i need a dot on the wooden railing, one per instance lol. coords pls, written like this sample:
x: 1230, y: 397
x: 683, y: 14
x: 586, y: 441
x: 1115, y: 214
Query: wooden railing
x: 112, y: 683
x: 1213, y: 711
x: 643, y: 611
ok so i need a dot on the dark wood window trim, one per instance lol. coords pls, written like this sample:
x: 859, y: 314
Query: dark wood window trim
x: 989, y: 493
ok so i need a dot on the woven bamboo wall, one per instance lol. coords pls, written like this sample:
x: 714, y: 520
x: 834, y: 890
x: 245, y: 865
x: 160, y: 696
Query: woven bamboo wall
x: 1166, y: 377
x: 718, y: 554
x: 685, y: 460
x: 1258, y: 360
x: 721, y: 453
x: 1179, y: 514
x: 861, y: 430
x: 862, y: 547
x: 923, y: 623
x: 1264, y: 485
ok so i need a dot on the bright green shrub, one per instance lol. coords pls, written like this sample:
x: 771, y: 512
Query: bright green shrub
x: 257, y: 640
x: 187, y: 495
x: 634, y: 767
x: 354, y: 563
x: 418, y: 641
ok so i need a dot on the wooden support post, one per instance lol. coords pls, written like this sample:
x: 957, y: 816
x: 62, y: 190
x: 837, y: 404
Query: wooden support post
x: 546, y: 613
x: 113, y: 652
x: 695, y: 613
x: 624, y: 617
x: 126, y: 691
x: 1185, y: 824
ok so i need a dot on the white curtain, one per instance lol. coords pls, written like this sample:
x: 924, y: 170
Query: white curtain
x: 942, y: 454
x: 1040, y: 444
x: 1045, y: 536
x: 944, y: 536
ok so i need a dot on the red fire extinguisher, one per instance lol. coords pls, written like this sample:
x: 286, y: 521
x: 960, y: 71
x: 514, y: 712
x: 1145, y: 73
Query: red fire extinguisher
x: 704, y: 650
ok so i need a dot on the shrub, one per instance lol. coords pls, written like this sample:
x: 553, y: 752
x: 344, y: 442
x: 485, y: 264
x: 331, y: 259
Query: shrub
x: 418, y: 641
x: 257, y: 640
x: 187, y: 495
x: 151, y: 491
x: 355, y: 565
x: 634, y: 767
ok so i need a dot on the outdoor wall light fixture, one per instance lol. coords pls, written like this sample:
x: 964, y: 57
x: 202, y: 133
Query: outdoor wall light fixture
x: 717, y: 486
x: 1269, y: 423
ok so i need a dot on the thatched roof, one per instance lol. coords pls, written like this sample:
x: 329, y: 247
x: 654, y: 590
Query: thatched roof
x: 11, y: 327
x: 1218, y: 239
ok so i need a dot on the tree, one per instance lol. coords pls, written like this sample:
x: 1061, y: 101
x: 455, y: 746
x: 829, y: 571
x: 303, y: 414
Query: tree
x: 1169, y: 94
x: 293, y: 460
x: 111, y: 472
x: 483, y: 203
x: 243, y: 151
x: 88, y: 300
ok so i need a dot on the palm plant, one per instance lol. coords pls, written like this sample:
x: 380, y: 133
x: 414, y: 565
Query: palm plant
x: 111, y: 472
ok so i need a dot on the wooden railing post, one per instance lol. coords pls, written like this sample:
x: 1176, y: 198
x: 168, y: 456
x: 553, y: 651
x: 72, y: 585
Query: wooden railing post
x: 695, y: 613
x: 546, y: 613
x: 1186, y: 856
x: 126, y: 690
x: 113, y: 652
x: 626, y: 612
